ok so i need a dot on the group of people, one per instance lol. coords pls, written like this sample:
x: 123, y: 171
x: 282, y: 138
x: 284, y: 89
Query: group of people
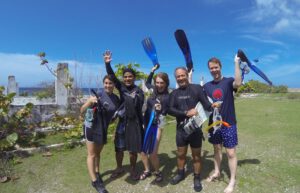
x: 101, y: 109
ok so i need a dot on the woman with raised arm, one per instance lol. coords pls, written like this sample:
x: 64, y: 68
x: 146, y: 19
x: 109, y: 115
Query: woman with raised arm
x: 99, y: 111
x: 158, y: 101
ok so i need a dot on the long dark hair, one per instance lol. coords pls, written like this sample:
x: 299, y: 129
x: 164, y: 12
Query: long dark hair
x: 109, y: 77
x: 165, y: 78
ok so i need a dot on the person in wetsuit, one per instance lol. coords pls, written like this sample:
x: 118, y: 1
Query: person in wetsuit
x: 99, y: 112
x: 183, y: 101
x: 159, y: 100
x: 129, y: 133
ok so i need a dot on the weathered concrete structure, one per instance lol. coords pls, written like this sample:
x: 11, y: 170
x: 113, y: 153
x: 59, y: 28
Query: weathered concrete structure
x: 61, y: 91
x: 12, y: 86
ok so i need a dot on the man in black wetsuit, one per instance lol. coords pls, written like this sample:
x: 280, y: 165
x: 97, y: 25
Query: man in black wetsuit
x: 183, y: 101
x: 129, y: 134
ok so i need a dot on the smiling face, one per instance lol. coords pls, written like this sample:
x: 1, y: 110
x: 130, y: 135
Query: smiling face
x: 108, y: 85
x: 160, y: 84
x: 128, y: 79
x: 215, y: 70
x: 181, y: 76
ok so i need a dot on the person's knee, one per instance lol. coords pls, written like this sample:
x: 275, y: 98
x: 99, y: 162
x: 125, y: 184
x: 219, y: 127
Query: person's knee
x: 133, y: 154
x: 196, y: 154
x: 181, y: 155
x: 91, y: 155
x: 153, y: 156
x: 231, y: 154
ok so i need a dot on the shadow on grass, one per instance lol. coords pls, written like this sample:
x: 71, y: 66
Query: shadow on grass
x: 240, y: 163
x: 167, y: 164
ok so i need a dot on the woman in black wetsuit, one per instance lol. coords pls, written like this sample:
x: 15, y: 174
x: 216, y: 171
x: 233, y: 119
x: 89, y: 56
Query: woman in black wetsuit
x: 129, y: 137
x: 159, y: 101
x: 99, y: 112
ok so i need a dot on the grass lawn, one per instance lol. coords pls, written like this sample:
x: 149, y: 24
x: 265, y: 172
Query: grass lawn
x: 268, y: 158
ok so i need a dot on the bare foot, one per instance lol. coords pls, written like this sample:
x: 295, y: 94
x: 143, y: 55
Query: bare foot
x: 213, y: 177
x: 229, y: 188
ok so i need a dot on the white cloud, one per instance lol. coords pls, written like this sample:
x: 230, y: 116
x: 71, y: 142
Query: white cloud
x: 287, y: 71
x: 28, y: 72
x: 263, y: 40
x: 268, y: 59
x: 276, y: 16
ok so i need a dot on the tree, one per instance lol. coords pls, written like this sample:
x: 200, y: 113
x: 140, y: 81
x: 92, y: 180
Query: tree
x: 135, y: 67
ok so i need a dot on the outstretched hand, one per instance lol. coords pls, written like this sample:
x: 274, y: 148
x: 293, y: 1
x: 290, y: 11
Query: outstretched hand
x: 155, y: 67
x: 237, y: 60
x: 107, y: 56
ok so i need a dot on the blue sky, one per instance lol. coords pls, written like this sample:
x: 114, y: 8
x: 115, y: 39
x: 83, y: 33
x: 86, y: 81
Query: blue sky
x: 78, y: 32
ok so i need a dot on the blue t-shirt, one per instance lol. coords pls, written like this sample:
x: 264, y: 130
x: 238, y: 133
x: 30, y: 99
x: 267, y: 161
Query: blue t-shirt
x: 223, y: 91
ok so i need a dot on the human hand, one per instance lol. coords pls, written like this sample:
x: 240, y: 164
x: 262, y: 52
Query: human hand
x: 107, y: 56
x: 157, y: 106
x: 191, y: 112
x: 216, y: 104
x: 92, y: 100
x: 237, y: 60
x: 155, y: 67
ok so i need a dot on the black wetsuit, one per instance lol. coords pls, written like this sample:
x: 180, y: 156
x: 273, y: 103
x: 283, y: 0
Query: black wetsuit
x: 182, y: 100
x: 163, y: 98
x: 96, y: 131
x: 133, y: 99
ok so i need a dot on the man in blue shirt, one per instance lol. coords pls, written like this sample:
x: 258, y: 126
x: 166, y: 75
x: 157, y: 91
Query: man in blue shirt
x: 221, y: 89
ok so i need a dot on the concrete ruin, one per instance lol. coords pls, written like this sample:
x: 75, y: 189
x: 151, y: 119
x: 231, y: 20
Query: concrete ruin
x: 12, y: 86
x: 44, y: 108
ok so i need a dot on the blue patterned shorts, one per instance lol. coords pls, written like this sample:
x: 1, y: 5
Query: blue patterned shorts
x: 225, y: 135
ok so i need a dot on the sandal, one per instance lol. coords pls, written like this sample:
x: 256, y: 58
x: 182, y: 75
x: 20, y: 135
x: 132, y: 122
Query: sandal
x: 213, y: 178
x: 145, y: 175
x: 134, y: 176
x: 116, y: 173
x: 159, y: 176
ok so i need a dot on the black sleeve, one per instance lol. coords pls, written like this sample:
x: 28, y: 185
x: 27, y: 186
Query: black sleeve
x: 110, y: 72
x: 204, y: 100
x: 149, y: 81
x: 166, y: 104
x: 172, y: 107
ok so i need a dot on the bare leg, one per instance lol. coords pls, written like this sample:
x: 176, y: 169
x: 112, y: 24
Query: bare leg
x: 154, y: 156
x: 133, y: 159
x: 196, y: 154
x: 232, y: 162
x: 91, y: 160
x: 98, y: 149
x: 145, y: 161
x: 119, y: 159
x: 217, y: 162
x: 181, y: 157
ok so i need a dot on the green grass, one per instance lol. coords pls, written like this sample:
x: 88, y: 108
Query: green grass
x: 268, y: 158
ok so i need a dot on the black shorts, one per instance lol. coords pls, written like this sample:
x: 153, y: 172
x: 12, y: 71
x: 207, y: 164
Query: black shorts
x: 88, y: 133
x: 94, y: 133
x: 194, y: 139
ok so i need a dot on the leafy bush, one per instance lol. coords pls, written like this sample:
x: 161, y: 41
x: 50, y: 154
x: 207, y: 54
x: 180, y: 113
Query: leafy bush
x: 13, y: 125
x: 254, y: 86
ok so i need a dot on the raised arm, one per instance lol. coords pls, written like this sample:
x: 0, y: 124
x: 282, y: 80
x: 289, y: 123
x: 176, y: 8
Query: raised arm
x: 150, y: 77
x: 237, y: 72
x: 107, y: 59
